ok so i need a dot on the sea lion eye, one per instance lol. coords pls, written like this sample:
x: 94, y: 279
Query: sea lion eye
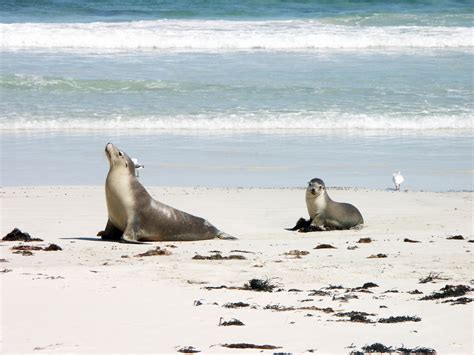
x: 121, y: 154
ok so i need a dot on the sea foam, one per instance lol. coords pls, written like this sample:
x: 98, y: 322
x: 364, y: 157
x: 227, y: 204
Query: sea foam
x: 258, y: 121
x: 217, y: 35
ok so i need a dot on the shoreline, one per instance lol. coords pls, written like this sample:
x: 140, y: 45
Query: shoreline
x: 116, y: 301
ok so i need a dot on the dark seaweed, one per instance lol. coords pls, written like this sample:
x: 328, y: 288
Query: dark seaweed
x: 377, y: 348
x: 399, y: 319
x: 448, y: 291
x: 17, y: 235
x: 231, y: 322
x: 460, y: 300
x: 377, y: 256
x: 297, y: 253
x: 53, y: 247
x: 456, y: 237
x: 235, y: 305
x: 324, y: 246
x: 219, y: 257
x: 406, y: 240
x: 259, y: 285
x: 250, y: 346
x: 188, y: 350
x: 432, y: 277
x: 355, y: 316
x: 153, y: 252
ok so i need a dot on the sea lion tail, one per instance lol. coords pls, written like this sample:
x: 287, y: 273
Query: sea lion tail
x: 225, y: 236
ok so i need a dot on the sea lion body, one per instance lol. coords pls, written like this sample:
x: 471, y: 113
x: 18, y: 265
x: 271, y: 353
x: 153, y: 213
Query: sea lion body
x: 134, y: 216
x: 326, y: 214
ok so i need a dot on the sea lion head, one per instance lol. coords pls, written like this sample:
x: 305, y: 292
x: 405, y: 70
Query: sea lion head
x: 119, y: 159
x: 315, y: 187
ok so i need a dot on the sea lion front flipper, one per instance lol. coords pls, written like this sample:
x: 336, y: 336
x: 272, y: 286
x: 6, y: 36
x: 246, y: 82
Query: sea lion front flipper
x: 130, y: 234
x: 301, y: 223
x: 110, y: 232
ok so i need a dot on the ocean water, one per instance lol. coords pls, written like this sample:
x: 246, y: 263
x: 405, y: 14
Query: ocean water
x: 251, y: 93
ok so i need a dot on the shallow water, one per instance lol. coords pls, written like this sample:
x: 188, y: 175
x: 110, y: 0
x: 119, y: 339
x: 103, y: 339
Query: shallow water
x: 243, y: 159
x: 255, y: 93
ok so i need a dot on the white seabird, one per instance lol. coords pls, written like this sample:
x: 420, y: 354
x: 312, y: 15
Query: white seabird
x: 138, y: 166
x: 397, y: 179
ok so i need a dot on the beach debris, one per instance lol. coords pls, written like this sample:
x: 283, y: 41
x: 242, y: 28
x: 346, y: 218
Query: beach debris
x: 250, y: 346
x: 235, y: 305
x: 432, y: 277
x: 344, y: 298
x: 399, y: 319
x: 52, y: 247
x: 296, y: 254
x: 456, y: 237
x: 368, y: 285
x: 294, y: 290
x: 242, y: 251
x: 377, y: 256
x: 259, y: 285
x: 356, y: 316
x: 415, y: 292
x: 380, y: 348
x: 3, y: 260
x: 156, y: 251
x: 397, y: 179
x: 231, y: 322
x: 23, y: 252
x: 460, y: 300
x: 364, y: 240
x: 171, y: 246
x: 220, y: 287
x: 353, y: 247
x: 318, y: 293
x: 4, y: 271
x: 416, y: 351
x: 188, y: 350
x: 448, y: 291
x: 334, y: 287
x: 196, y: 282
x: 17, y: 235
x: 26, y: 248
x: 279, y: 308
x: 218, y: 256
x: 377, y: 348
x: 407, y: 240
x: 324, y: 246
x: 124, y: 256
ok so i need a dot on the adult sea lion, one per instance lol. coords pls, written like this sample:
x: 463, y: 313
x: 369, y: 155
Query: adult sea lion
x: 134, y: 216
x: 324, y: 213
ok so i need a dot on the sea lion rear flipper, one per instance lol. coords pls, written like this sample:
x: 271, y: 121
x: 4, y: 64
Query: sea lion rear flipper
x: 302, y: 223
x: 225, y: 236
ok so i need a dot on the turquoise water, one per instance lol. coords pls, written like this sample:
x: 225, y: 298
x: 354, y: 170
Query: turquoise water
x: 249, y: 93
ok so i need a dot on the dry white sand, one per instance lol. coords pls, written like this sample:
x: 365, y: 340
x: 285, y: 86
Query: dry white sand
x: 90, y: 298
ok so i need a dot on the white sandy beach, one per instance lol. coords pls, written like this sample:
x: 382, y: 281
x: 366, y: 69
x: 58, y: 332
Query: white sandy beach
x: 89, y: 298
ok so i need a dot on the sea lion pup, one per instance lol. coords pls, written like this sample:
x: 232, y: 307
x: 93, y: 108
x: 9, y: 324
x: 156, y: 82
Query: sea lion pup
x: 324, y: 213
x: 134, y: 216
